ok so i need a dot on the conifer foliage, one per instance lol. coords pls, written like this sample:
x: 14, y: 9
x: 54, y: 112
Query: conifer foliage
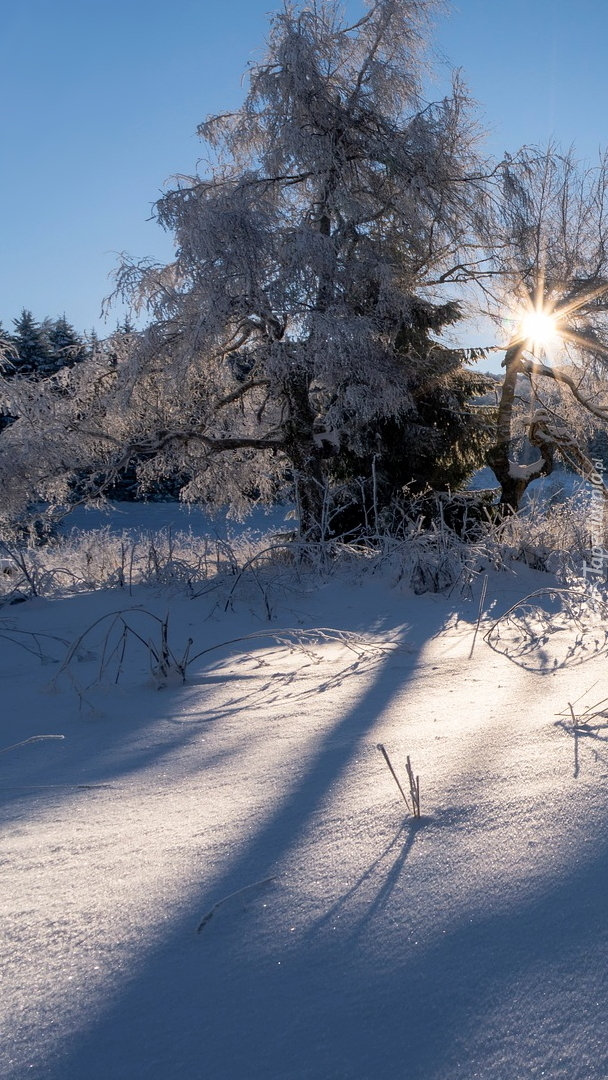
x: 36, y: 351
x: 41, y: 349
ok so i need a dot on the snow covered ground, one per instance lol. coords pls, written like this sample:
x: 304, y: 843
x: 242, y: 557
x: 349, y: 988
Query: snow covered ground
x: 339, y: 938
x: 137, y: 517
x: 559, y: 485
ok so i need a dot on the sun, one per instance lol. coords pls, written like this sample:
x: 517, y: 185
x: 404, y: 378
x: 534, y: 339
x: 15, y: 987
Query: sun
x: 539, y: 324
x: 539, y: 329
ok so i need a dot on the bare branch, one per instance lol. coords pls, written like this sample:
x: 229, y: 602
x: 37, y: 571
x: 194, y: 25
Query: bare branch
x: 533, y: 367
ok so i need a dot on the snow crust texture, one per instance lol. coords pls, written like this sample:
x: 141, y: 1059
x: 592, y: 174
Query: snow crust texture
x: 339, y: 938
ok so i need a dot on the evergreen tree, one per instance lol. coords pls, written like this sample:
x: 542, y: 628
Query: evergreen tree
x: 30, y: 339
x: 91, y: 342
x: 7, y: 350
x: 66, y: 346
x: 7, y: 359
x: 126, y: 326
x: 442, y: 438
x: 42, y: 349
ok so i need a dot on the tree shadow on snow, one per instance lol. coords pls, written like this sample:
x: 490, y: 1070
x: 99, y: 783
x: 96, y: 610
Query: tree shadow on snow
x: 498, y: 992
x: 260, y: 856
x: 352, y: 997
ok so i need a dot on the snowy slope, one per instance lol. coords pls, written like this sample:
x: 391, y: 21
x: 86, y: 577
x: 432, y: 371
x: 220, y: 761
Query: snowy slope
x: 349, y: 942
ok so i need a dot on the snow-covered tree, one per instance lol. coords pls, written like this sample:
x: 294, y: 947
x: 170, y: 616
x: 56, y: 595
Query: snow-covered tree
x: 547, y: 276
x: 41, y: 349
x: 337, y: 203
x: 66, y: 346
x: 31, y: 344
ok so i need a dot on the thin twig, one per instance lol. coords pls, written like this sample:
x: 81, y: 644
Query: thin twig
x: 481, y: 603
x: 206, y: 918
x: 33, y: 738
x: 382, y: 750
x: 414, y: 788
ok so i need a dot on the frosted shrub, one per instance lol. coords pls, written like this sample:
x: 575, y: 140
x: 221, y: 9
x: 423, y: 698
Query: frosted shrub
x: 554, y: 537
x: 424, y: 554
x: 100, y: 559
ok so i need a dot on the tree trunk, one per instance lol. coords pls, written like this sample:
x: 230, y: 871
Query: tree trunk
x: 300, y: 445
x: 512, y: 485
x: 305, y: 457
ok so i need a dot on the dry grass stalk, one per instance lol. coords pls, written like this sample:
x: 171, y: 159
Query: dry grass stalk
x: 414, y: 788
x: 414, y: 783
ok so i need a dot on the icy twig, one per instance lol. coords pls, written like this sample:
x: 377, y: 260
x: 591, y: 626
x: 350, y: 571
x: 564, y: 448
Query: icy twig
x: 32, y: 738
x: 599, y: 709
x: 414, y: 788
x: 206, y: 918
x: 34, y: 636
x: 163, y: 662
x: 302, y: 639
x: 382, y: 750
x: 481, y: 603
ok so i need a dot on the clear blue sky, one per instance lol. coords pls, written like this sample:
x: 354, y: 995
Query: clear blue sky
x: 101, y: 99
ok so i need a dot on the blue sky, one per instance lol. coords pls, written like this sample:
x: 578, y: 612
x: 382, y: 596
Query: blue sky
x: 101, y: 99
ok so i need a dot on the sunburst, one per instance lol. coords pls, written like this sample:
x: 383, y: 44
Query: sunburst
x: 539, y: 330
x: 540, y: 325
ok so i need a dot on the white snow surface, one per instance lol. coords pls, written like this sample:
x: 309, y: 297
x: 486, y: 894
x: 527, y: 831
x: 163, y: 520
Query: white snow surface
x: 341, y: 939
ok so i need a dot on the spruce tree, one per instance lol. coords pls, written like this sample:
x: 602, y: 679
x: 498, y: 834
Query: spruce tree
x: 440, y: 438
x: 66, y: 347
x: 30, y: 339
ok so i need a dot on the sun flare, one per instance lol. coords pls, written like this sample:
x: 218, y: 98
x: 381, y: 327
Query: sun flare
x: 539, y: 328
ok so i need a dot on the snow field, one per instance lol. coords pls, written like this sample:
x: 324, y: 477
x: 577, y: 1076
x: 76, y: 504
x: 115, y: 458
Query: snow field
x: 469, y: 944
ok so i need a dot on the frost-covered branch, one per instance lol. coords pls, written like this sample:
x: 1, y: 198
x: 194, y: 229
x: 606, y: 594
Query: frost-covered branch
x: 291, y: 337
x: 534, y: 367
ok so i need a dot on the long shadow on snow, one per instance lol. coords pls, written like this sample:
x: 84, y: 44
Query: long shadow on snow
x: 82, y: 760
x: 516, y: 991
x: 260, y: 857
x: 313, y: 1007
x: 54, y: 770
